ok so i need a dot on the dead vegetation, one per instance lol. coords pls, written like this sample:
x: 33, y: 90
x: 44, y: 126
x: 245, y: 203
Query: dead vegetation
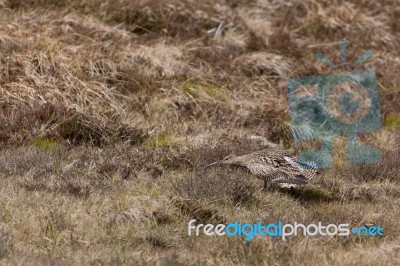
x: 111, y: 109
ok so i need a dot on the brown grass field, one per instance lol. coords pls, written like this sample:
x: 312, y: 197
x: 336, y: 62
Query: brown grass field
x: 111, y: 109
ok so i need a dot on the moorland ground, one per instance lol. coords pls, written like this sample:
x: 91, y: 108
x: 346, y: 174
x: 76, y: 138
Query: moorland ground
x: 111, y: 109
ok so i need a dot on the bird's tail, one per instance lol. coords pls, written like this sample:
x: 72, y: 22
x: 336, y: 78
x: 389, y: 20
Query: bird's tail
x: 307, y: 169
x: 310, y: 169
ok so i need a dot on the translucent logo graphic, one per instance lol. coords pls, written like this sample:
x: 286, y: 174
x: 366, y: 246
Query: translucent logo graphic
x: 340, y: 104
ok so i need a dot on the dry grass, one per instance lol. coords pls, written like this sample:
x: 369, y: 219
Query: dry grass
x: 111, y: 109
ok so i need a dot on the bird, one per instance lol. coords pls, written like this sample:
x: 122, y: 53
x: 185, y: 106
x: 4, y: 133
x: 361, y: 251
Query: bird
x: 274, y: 165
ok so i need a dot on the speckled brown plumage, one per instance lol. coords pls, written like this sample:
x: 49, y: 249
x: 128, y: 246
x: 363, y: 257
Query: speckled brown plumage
x: 275, y: 166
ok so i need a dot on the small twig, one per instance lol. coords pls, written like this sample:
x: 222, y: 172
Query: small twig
x: 322, y: 44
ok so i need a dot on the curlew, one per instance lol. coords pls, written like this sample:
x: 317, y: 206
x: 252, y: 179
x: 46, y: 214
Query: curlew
x: 274, y: 166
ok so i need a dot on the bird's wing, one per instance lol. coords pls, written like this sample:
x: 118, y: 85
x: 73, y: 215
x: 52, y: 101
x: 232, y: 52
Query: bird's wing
x: 297, y: 173
x: 282, y: 169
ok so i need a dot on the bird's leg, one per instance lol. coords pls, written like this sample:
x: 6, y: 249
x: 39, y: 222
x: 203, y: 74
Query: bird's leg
x: 265, y: 185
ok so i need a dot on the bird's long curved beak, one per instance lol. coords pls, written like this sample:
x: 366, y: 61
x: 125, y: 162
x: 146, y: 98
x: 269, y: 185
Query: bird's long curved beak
x: 211, y: 164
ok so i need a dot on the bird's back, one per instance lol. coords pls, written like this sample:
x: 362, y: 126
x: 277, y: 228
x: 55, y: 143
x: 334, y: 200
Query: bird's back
x: 278, y: 166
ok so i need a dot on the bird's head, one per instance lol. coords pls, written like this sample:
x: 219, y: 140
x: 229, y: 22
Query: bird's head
x: 229, y: 159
